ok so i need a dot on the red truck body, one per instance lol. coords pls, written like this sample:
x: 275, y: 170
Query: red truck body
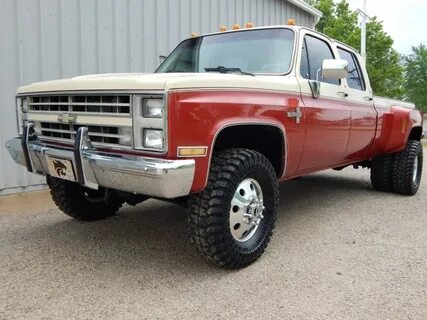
x: 325, y: 138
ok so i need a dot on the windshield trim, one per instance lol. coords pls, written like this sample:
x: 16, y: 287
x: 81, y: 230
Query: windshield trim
x: 292, y: 59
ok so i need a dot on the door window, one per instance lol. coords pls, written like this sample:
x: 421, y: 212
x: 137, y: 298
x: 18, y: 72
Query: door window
x: 355, y: 76
x: 314, y: 51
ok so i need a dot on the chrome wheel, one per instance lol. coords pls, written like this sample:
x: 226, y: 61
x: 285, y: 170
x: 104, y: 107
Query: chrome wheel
x: 415, y: 170
x: 246, y: 210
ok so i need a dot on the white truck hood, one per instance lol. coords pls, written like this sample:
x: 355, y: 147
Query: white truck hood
x: 162, y: 81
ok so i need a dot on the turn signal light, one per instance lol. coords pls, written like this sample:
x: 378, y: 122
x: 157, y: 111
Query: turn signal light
x: 236, y: 27
x: 291, y: 22
x: 192, y: 151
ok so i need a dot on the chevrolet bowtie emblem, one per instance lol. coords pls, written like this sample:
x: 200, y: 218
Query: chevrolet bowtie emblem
x: 67, y: 118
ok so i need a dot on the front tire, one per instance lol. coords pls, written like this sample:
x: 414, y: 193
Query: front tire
x: 232, y: 220
x: 81, y: 203
x: 407, y: 168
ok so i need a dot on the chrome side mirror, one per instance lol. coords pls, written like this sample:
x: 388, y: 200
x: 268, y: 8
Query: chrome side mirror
x: 334, y: 69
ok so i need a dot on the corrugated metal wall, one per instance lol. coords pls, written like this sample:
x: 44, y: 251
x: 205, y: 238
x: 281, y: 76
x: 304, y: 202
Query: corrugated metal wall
x: 51, y: 39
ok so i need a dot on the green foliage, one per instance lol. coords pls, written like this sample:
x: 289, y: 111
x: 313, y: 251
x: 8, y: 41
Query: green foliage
x: 382, y: 63
x: 416, y: 77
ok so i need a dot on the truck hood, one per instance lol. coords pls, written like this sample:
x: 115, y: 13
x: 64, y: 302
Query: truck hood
x: 162, y: 81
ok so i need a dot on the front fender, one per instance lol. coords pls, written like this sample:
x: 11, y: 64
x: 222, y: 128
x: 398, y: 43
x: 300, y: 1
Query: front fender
x: 197, y: 118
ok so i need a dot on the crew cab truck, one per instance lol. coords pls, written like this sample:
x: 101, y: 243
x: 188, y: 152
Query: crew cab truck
x: 224, y: 118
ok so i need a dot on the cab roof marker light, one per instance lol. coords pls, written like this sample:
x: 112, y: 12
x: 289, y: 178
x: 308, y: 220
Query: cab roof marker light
x: 291, y: 22
x: 194, y: 34
x: 236, y: 27
x: 249, y: 25
x: 223, y: 28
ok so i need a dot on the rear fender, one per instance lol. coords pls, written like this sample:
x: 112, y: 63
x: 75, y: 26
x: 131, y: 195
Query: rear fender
x: 397, y: 126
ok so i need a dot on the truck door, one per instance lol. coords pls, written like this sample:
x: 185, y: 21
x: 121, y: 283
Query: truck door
x: 326, y: 118
x: 363, y: 113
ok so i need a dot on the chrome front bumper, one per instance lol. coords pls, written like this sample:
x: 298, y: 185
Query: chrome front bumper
x: 154, y: 177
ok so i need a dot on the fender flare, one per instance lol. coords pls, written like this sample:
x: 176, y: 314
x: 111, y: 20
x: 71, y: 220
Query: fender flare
x: 251, y: 122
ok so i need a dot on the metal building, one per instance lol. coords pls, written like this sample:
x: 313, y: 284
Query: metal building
x: 51, y: 39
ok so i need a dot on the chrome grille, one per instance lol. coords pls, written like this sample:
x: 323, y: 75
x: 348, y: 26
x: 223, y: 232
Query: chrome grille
x: 57, y: 117
x: 117, y: 104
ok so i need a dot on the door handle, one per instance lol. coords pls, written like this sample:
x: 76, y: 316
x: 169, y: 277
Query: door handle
x: 368, y: 98
x: 343, y: 94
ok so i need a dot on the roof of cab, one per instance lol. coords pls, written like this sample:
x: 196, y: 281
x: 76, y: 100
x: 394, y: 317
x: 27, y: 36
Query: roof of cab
x: 285, y: 26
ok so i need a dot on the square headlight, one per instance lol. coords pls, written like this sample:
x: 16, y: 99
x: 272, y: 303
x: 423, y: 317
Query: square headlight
x: 152, y: 108
x: 153, y: 139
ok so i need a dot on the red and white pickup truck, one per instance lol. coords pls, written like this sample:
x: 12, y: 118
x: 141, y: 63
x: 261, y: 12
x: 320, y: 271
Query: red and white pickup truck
x: 224, y: 118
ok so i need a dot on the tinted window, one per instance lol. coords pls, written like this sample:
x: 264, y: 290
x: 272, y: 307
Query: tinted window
x: 354, y: 77
x: 316, y: 51
x: 305, y: 70
x: 257, y: 51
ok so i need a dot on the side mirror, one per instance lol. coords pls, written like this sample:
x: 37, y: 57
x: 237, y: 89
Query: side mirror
x: 162, y: 58
x: 334, y: 69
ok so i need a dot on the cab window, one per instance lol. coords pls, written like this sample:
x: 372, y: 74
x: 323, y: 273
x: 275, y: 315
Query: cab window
x: 314, y: 51
x: 355, y: 76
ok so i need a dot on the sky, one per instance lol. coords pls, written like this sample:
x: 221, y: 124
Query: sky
x: 405, y: 21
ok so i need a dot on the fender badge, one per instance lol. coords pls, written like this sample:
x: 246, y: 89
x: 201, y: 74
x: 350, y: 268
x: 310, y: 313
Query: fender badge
x: 297, y: 114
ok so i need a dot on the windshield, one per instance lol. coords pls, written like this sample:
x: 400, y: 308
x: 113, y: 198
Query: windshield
x: 255, y: 51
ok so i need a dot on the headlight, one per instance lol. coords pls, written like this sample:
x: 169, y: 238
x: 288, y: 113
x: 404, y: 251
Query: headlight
x: 149, y: 122
x: 153, y: 139
x: 152, y: 108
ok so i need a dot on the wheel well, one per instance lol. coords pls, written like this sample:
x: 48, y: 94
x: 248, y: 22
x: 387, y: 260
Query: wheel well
x: 416, y: 134
x: 265, y: 139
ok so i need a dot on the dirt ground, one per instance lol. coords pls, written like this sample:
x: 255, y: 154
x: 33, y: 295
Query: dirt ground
x: 340, y: 251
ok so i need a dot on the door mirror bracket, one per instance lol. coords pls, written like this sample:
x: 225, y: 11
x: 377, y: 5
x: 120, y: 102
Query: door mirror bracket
x: 315, y: 88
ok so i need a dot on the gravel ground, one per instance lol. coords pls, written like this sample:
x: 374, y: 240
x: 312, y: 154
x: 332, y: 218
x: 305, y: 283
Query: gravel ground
x: 340, y: 251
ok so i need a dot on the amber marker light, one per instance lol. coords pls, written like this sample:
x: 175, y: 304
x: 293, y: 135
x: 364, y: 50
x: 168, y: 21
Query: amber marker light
x: 192, y: 151
x: 291, y: 22
x: 223, y: 28
x: 236, y: 27
x: 249, y: 25
x: 194, y: 34
x: 404, y: 125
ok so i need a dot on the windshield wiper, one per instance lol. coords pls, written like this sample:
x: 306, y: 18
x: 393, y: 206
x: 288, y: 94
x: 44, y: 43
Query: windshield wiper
x: 222, y: 69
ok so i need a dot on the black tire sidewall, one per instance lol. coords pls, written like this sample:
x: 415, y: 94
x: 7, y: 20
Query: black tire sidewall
x: 419, y: 156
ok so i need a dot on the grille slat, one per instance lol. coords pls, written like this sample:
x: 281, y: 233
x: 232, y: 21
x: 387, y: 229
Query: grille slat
x: 81, y: 104
x: 97, y: 134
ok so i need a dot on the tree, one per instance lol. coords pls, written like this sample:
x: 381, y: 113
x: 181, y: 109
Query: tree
x: 382, y: 63
x: 416, y: 77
